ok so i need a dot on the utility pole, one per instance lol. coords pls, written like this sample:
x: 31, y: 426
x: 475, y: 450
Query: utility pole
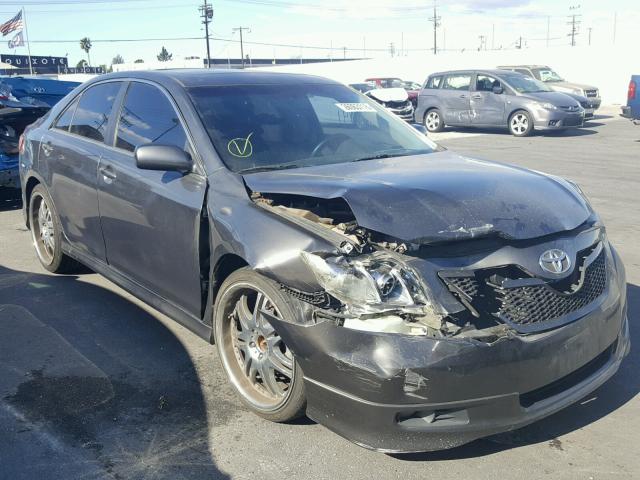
x: 548, y: 29
x: 240, y: 29
x: 392, y: 49
x: 493, y: 36
x: 590, y: 28
x: 344, y: 53
x: 574, y: 23
x: 206, y: 13
x: 615, y: 26
x: 519, y: 45
x: 482, y: 43
x: 436, y: 23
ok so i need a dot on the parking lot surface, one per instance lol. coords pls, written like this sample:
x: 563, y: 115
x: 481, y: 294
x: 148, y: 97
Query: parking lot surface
x: 94, y: 384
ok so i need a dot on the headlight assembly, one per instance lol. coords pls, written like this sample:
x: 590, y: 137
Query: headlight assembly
x: 372, y: 282
x: 548, y: 106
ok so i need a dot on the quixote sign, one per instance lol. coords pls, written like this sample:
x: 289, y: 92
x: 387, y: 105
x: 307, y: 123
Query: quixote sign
x: 39, y: 63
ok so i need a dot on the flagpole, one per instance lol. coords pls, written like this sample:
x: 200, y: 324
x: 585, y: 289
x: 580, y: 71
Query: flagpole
x: 26, y: 34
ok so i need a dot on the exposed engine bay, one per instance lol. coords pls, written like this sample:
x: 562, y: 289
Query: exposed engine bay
x: 417, y: 317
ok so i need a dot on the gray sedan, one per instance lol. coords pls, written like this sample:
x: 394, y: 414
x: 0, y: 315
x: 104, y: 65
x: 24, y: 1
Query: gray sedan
x: 495, y: 98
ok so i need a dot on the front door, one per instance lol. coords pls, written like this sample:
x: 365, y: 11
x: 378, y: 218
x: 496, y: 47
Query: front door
x: 151, y: 219
x: 455, y: 98
x: 487, y: 107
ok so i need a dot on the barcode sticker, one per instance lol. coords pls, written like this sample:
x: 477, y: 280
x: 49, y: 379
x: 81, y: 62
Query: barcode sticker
x: 355, y: 107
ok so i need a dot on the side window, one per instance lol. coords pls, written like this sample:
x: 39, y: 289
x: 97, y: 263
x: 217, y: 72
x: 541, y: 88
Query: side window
x: 92, y: 115
x: 434, y: 82
x: 457, y: 82
x: 484, y: 83
x: 64, y: 120
x: 524, y: 72
x: 147, y: 116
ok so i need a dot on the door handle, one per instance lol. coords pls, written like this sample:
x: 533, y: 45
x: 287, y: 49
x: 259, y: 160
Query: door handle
x: 108, y: 175
x: 463, y: 96
x: 477, y: 97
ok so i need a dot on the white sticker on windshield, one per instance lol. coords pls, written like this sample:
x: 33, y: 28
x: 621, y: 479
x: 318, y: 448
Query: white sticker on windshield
x: 355, y: 107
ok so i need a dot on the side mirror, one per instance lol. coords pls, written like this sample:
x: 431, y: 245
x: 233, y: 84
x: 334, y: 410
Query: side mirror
x: 420, y: 128
x: 498, y: 90
x: 163, y: 157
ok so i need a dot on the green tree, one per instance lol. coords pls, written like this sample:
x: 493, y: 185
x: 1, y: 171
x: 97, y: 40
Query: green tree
x: 139, y: 61
x: 85, y: 44
x: 164, y: 55
x: 117, y: 60
x: 81, y: 64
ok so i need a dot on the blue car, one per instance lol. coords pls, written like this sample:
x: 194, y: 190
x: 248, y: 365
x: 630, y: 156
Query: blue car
x: 632, y: 109
x: 22, y: 102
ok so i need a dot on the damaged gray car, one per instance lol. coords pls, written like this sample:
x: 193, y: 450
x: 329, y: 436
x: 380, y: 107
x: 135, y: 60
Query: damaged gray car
x: 346, y: 267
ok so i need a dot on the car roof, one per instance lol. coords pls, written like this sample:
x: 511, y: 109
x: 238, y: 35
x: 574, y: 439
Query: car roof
x: 488, y: 71
x: 523, y: 66
x: 202, y: 77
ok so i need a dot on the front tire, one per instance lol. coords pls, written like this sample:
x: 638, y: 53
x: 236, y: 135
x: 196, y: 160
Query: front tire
x: 520, y: 124
x: 257, y: 362
x: 433, y: 121
x: 46, y: 233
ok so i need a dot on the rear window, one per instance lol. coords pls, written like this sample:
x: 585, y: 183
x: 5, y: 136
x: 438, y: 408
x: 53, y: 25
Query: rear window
x: 457, y: 82
x: 92, y: 115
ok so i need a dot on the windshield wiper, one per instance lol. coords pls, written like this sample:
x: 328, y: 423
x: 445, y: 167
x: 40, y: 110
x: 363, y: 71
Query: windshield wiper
x: 388, y: 155
x: 266, y: 168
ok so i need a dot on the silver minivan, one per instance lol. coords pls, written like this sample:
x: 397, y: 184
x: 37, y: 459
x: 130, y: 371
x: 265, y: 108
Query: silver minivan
x: 494, y: 98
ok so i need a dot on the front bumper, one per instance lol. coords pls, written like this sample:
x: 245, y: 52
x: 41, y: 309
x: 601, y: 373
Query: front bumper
x: 557, y: 119
x: 405, y: 113
x: 397, y: 393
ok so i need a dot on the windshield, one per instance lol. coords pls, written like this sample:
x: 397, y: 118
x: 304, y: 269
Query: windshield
x: 523, y: 84
x: 266, y: 127
x: 547, y: 75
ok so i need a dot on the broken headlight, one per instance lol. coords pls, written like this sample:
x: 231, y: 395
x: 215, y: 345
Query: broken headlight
x: 367, y: 281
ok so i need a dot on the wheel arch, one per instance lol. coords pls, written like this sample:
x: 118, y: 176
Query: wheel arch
x: 29, y: 185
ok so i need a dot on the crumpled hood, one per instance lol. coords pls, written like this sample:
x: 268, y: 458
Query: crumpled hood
x: 438, y: 197
x: 389, y: 94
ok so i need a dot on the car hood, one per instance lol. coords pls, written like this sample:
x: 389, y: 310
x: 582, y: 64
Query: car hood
x: 438, y: 197
x: 570, y: 85
x: 556, y: 98
x: 389, y: 94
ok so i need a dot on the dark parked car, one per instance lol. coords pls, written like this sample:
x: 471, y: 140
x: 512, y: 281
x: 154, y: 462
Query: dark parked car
x: 23, y: 101
x: 346, y: 267
x: 495, y: 98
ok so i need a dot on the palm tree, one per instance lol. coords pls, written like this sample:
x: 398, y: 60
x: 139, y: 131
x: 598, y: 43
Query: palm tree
x: 164, y: 55
x: 85, y: 44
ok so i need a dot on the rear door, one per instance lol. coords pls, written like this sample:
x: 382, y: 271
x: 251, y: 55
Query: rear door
x: 151, y: 219
x: 487, y: 108
x: 455, y: 98
x: 69, y: 155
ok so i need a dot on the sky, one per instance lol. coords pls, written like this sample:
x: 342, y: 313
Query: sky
x: 326, y: 28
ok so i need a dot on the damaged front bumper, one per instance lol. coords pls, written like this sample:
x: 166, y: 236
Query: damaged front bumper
x: 402, y: 393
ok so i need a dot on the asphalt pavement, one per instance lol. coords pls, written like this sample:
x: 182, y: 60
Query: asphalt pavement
x: 96, y: 385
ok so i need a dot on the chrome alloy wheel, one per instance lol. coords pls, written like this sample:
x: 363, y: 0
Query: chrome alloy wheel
x: 259, y: 364
x: 432, y: 121
x: 519, y: 124
x: 43, y: 230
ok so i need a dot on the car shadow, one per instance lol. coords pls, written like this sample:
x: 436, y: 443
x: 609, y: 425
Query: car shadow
x: 601, y: 117
x: 10, y: 199
x: 615, y: 393
x: 94, y: 386
x: 569, y: 132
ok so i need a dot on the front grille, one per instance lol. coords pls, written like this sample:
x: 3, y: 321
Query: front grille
x: 511, y: 295
x: 541, y: 303
x: 591, y: 93
x: 573, y: 121
x: 319, y: 299
x: 396, y: 105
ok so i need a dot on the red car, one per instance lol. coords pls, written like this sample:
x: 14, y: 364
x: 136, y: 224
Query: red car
x: 412, y: 88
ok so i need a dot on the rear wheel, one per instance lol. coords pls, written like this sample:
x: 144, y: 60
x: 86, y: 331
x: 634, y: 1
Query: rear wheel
x: 433, y: 121
x: 520, y: 124
x: 255, y: 358
x: 46, y: 233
